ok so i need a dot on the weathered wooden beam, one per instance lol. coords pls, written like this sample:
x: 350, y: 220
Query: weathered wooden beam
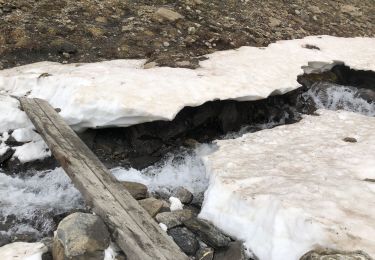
x: 133, y: 229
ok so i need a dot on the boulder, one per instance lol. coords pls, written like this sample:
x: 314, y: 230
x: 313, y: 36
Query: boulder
x: 207, y: 232
x: 235, y: 251
x: 80, y: 236
x: 184, y: 195
x: 151, y: 205
x: 331, y: 254
x: 137, y: 190
x: 174, y: 218
x: 185, y: 239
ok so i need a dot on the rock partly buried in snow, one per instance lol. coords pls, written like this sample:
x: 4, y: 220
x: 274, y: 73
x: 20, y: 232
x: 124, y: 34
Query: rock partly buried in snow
x: 81, y: 236
x: 183, y: 194
x: 185, y: 239
x: 122, y: 93
x: 287, y: 190
x: 174, y: 218
x: 330, y: 254
x: 137, y: 190
x: 22, y: 250
x: 152, y: 205
x: 207, y: 232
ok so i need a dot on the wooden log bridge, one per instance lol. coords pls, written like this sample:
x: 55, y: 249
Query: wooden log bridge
x: 133, y: 229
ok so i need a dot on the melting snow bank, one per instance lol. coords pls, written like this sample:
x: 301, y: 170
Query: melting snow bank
x: 122, y: 93
x: 296, y: 187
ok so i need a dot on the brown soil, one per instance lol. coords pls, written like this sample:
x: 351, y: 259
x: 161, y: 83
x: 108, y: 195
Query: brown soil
x: 90, y: 30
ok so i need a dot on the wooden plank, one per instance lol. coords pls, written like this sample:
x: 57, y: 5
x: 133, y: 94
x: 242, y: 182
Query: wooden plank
x: 134, y: 230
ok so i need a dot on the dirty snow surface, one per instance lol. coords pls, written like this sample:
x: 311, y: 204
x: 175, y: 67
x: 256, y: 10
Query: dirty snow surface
x: 289, y: 189
x: 122, y: 93
x: 23, y: 251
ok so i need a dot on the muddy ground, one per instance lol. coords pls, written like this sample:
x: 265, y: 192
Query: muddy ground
x: 91, y: 30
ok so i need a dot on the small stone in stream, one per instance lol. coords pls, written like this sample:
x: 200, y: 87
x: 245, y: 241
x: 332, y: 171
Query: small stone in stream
x: 164, y: 14
x: 7, y: 155
x: 350, y: 139
x: 184, y: 195
x: 207, y: 232
x: 205, y: 253
x: 331, y: 254
x: 151, y: 205
x: 235, y: 251
x: 80, y: 236
x: 174, y: 218
x: 366, y: 94
x: 137, y: 190
x: 185, y: 239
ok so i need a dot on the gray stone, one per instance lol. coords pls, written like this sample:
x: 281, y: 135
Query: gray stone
x: 205, y: 253
x: 185, y: 239
x: 366, y: 94
x: 207, y: 232
x: 235, y: 251
x: 80, y: 236
x: 137, y: 190
x: 4, y: 239
x: 152, y: 205
x: 331, y: 254
x: 198, y: 199
x: 174, y: 218
x: 184, y: 195
x: 165, y: 14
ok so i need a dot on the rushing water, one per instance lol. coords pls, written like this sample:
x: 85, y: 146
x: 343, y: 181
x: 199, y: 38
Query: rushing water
x: 28, y: 205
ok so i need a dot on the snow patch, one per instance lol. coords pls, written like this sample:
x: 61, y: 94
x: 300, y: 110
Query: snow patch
x: 23, y: 251
x: 32, y: 151
x: 289, y: 189
x: 122, y: 93
x: 176, y: 204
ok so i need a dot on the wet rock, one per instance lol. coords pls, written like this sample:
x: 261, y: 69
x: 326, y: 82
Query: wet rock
x: 205, y: 253
x: 164, y: 14
x: 184, y: 195
x: 207, y: 232
x: 174, y: 218
x: 7, y: 155
x: 235, y: 251
x: 330, y: 254
x: 151, y: 205
x: 198, y: 199
x: 366, y: 94
x: 137, y: 190
x: 185, y: 239
x: 4, y: 239
x: 80, y: 236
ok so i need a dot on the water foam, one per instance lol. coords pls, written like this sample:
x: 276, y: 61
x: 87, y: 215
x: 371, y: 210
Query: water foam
x: 35, y: 199
x: 337, y: 97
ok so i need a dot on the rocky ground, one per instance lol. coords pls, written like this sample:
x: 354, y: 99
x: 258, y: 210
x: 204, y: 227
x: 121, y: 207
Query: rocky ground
x: 172, y: 33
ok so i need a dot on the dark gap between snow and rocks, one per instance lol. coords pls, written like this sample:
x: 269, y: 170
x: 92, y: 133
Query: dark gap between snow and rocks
x: 147, y: 144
